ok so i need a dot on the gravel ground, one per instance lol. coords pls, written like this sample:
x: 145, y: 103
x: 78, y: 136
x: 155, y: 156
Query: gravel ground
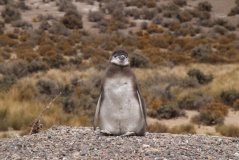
x: 61, y: 142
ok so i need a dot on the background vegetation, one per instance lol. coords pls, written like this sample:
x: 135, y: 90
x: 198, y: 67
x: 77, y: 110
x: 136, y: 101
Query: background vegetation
x: 185, y: 58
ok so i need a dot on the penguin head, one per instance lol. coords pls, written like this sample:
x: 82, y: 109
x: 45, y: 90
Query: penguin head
x: 120, y: 57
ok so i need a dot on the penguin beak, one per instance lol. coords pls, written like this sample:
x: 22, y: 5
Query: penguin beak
x: 122, y: 57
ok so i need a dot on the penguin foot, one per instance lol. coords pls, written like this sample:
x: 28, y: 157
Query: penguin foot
x: 105, y: 132
x: 129, y: 134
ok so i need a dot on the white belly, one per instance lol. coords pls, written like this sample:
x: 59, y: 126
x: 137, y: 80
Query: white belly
x: 120, y: 110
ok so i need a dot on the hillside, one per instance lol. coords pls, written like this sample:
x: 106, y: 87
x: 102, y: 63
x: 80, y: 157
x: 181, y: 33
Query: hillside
x: 184, y: 53
x: 62, y: 142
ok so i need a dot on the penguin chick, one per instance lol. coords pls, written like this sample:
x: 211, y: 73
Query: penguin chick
x: 121, y: 107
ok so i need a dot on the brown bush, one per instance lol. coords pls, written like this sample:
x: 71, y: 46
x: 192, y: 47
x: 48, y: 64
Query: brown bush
x: 228, y: 130
x: 151, y: 4
x: 236, y: 105
x: 184, y: 16
x: 195, y: 101
x: 59, y: 28
x: 211, y: 114
x: 229, y: 96
x: 55, y: 61
x: 65, y: 5
x: 72, y: 19
x: 6, y: 82
x: 167, y: 111
x: 10, y: 14
x: 66, y: 48
x: 180, y: 3
x: 183, y: 129
x: 95, y: 16
x: 234, y: 11
x: 147, y: 13
x: 5, y: 40
x: 138, y: 60
x: 154, y: 29
x: 204, y: 6
x: 157, y: 127
x: 200, y: 76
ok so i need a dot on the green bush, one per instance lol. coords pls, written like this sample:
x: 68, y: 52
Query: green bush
x: 200, y: 76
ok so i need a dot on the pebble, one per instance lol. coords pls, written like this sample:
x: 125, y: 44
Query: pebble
x: 63, y: 142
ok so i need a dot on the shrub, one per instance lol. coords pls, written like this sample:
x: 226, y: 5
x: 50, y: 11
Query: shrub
x: 201, y: 77
x: 10, y: 14
x: 6, y: 82
x: 220, y: 30
x: 211, y: 114
x: 180, y: 3
x: 55, y: 61
x: 138, y: 60
x: 37, y: 65
x: 167, y: 111
x: 147, y: 13
x: 151, y: 4
x: 195, y: 101
x: 21, y: 24
x: 184, y: 16
x: 144, y: 25
x: 5, y: 40
x: 204, y: 6
x: 183, y: 129
x: 157, y: 19
x: 154, y: 29
x: 234, y: 11
x: 157, y: 127
x: 2, y: 26
x: 70, y: 104
x: 230, y: 27
x: 201, y: 51
x: 228, y: 130
x: 95, y: 16
x: 229, y: 96
x: 65, y: 5
x: 72, y: 20
x: 22, y: 5
x: 3, y: 2
x: 59, y: 28
x: 236, y: 105
x: 15, y: 68
x: 220, y: 22
x: 189, y: 82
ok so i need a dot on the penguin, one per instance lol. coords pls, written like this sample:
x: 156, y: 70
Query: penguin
x: 120, y: 107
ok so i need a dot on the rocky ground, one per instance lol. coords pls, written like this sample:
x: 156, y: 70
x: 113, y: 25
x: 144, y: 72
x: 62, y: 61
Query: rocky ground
x: 61, y: 142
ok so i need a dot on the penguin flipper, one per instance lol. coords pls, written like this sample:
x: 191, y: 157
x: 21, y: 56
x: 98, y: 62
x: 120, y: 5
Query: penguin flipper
x: 142, y: 105
x: 97, y: 112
